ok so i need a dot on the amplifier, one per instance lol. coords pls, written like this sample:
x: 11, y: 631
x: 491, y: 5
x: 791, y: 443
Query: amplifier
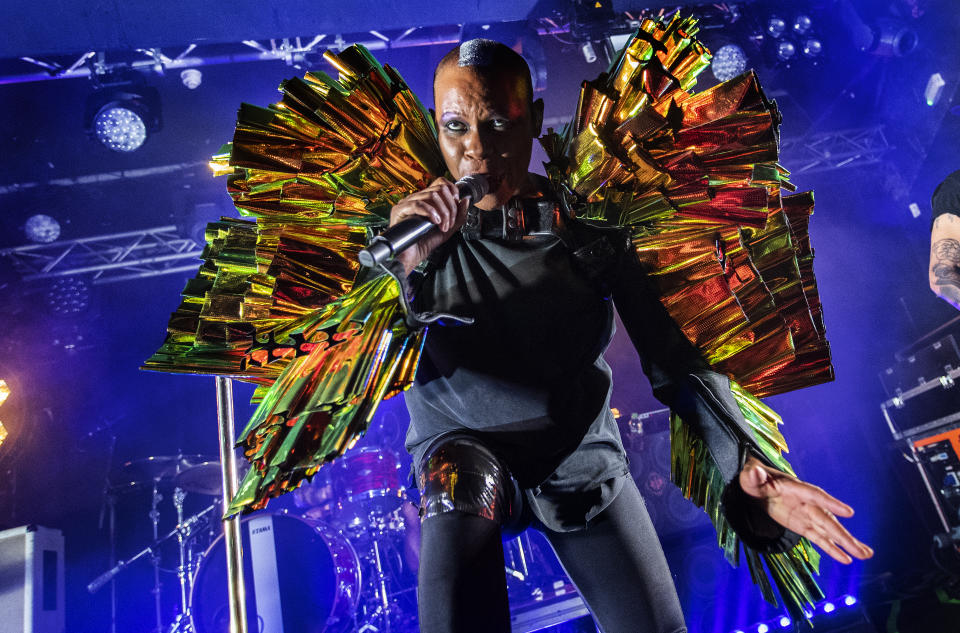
x: 938, y: 459
x: 31, y: 580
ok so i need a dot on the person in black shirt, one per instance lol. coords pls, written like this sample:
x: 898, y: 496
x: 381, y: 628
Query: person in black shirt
x: 945, y: 241
x: 510, y: 417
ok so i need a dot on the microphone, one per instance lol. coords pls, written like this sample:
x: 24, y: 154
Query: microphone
x: 406, y: 233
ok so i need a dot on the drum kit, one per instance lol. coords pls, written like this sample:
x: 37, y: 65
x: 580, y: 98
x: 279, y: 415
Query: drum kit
x: 343, y: 561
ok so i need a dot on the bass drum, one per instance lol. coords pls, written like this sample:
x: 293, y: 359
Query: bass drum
x: 300, y: 576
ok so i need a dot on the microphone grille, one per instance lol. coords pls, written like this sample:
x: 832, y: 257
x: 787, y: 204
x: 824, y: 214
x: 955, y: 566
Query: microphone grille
x: 477, y: 185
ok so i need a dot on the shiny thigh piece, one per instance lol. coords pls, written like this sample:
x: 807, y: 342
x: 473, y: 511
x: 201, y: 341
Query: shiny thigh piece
x: 619, y: 569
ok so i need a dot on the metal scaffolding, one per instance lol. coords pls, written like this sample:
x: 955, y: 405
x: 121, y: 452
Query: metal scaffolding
x: 835, y: 149
x: 107, y: 259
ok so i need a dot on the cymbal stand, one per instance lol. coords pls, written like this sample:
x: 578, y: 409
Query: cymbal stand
x: 183, y: 570
x: 382, y: 586
x: 155, y: 556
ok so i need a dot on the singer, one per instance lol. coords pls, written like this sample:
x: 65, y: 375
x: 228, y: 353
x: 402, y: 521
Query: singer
x: 510, y: 417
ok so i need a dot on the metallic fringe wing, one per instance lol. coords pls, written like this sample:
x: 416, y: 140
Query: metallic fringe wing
x: 695, y: 176
x: 274, y: 302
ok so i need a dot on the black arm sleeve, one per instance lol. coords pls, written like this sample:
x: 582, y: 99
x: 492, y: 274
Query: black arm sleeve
x: 683, y: 381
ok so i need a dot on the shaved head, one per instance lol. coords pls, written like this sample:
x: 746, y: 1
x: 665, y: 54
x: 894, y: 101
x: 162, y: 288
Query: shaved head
x: 488, y: 59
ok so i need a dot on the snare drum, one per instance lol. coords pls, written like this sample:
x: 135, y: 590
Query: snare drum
x: 300, y: 576
x: 367, y: 483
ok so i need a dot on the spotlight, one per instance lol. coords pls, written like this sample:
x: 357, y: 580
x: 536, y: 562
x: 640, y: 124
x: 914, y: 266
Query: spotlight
x: 775, y: 27
x: 191, y: 78
x: 934, y: 89
x: 829, y: 607
x: 120, y: 129
x: 802, y: 24
x: 785, y: 622
x: 122, y: 112
x: 68, y: 296
x: 41, y: 228
x: 812, y: 47
x: 728, y: 62
x: 786, y: 50
x: 762, y: 628
x: 589, y: 55
x: 849, y: 600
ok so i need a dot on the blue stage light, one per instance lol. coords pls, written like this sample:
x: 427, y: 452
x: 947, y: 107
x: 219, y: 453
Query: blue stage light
x: 808, y: 613
x: 42, y: 228
x: 786, y: 50
x: 728, y: 62
x: 785, y: 622
x: 120, y: 129
x: 762, y: 628
x: 812, y: 47
x: 802, y: 24
x: 776, y: 26
x: 829, y: 607
x: 849, y: 600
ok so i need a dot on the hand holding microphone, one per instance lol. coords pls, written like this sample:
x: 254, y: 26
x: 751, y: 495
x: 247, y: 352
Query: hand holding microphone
x: 424, y: 220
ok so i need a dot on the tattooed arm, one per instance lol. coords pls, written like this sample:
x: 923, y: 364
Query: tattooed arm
x: 945, y: 258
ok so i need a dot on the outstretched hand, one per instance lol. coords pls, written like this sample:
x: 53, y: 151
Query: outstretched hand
x: 803, y: 508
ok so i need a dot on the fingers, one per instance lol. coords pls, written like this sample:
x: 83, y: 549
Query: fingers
x: 821, y: 498
x: 438, y: 203
x: 839, y: 536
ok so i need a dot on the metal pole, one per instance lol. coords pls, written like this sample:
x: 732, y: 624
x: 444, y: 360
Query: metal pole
x: 231, y: 526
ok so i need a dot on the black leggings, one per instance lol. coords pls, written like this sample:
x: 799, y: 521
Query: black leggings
x: 617, y: 565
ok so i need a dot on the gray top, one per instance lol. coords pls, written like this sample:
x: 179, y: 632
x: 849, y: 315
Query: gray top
x: 529, y: 377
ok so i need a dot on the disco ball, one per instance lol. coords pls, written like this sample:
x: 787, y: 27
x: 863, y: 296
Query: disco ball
x: 42, y: 228
x: 119, y: 128
x: 68, y: 296
x: 728, y: 62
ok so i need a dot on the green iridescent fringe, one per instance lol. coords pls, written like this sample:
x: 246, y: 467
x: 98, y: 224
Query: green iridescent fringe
x: 696, y: 474
x: 358, y: 351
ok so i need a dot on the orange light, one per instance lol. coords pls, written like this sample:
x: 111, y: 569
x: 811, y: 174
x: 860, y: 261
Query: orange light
x: 4, y: 394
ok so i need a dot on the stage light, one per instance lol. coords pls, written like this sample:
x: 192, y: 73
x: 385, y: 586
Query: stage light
x: 4, y: 394
x: 775, y: 27
x: 785, y: 622
x: 41, y: 228
x: 191, y: 78
x: 68, y: 296
x: 786, y: 50
x: 122, y: 112
x: 849, y: 600
x: 728, y: 62
x: 934, y: 89
x: 808, y: 613
x: 812, y: 47
x: 762, y: 628
x: 120, y: 129
x: 802, y: 24
x: 829, y: 607
x: 589, y: 55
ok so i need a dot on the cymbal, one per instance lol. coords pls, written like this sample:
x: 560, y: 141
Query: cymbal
x: 202, y: 479
x: 154, y: 469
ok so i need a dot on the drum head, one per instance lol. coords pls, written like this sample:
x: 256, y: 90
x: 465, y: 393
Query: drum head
x: 300, y: 577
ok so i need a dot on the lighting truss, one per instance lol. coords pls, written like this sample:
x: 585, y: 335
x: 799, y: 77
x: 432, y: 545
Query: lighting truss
x: 834, y: 149
x: 108, y: 258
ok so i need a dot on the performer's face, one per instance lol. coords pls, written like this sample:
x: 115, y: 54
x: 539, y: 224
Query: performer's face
x: 485, y: 127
